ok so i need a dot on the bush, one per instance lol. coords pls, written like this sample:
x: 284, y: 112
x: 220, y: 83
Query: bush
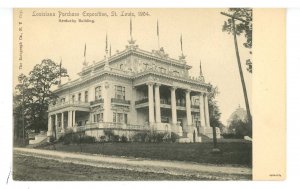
x: 140, y: 137
x: 155, y: 137
x: 76, y: 138
x: 124, y: 138
x: 174, y: 137
x: 111, y: 137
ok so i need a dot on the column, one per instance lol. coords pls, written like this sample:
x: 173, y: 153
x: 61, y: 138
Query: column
x: 157, y: 103
x: 56, y: 125
x: 73, y: 117
x: 188, y: 107
x: 69, y: 119
x: 62, y: 123
x: 108, y: 93
x: 173, y: 105
x: 206, y: 111
x: 56, y: 121
x: 201, y: 106
x: 49, y: 133
x: 150, y: 102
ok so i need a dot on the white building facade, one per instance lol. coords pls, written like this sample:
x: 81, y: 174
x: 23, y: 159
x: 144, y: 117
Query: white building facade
x: 131, y: 91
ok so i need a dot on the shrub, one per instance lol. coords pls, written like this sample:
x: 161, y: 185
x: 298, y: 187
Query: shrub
x: 111, y: 136
x: 124, y: 138
x: 140, y: 137
x: 174, y: 137
x: 88, y: 139
x: 76, y: 138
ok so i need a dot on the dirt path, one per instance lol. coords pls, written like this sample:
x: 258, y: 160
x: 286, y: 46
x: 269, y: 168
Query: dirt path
x: 143, y: 165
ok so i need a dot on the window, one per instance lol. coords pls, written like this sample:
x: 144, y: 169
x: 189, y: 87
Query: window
x: 86, y: 96
x: 98, y: 117
x: 101, y: 117
x: 163, y: 70
x: 125, y: 118
x: 73, y: 98
x: 176, y: 73
x: 120, y: 118
x: 146, y: 66
x: 121, y: 66
x: 98, y: 93
x: 79, y: 97
x: 114, y: 117
x: 62, y: 100
x: 120, y: 92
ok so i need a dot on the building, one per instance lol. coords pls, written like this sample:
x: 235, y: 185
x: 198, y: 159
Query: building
x: 133, y: 90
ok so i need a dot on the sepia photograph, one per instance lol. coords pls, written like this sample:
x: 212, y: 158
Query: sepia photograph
x: 133, y: 94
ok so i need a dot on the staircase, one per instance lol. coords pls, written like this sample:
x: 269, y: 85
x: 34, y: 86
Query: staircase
x: 38, y: 139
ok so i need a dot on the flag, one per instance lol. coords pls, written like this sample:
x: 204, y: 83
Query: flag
x: 157, y: 29
x: 130, y: 28
x: 200, y: 69
x: 109, y: 49
x: 60, y: 64
x: 84, y: 54
x: 181, y: 43
x: 106, y: 43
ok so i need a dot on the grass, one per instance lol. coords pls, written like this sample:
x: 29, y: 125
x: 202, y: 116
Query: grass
x: 36, y: 169
x: 233, y: 153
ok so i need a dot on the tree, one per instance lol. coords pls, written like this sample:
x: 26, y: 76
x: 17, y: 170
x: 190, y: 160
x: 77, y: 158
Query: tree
x: 34, y: 93
x: 242, y: 28
x: 214, y: 111
x: 240, y: 128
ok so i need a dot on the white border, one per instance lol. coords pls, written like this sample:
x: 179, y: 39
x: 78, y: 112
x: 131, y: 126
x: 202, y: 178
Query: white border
x: 150, y: 3
x: 293, y: 92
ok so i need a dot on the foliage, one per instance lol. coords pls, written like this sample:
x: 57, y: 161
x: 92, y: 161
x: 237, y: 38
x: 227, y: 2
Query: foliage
x: 111, y: 137
x: 240, y: 128
x: 154, y: 137
x: 34, y: 93
x: 214, y: 111
x: 124, y: 138
x: 76, y: 138
x: 139, y: 137
x: 241, y: 28
x: 174, y: 137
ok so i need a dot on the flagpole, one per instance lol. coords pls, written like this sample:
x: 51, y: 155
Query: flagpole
x: 84, y: 54
x: 157, y: 33
x: 60, y: 64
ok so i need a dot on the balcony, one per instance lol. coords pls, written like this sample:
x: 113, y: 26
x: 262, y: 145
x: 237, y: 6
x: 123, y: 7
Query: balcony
x: 112, y: 125
x: 98, y: 101
x: 79, y: 104
x: 120, y: 101
x: 195, y: 106
x: 145, y: 100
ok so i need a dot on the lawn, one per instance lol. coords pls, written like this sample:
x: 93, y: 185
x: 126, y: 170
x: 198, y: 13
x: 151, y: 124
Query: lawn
x: 233, y: 153
x: 36, y: 169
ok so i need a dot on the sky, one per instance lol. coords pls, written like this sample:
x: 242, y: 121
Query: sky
x: 203, y: 40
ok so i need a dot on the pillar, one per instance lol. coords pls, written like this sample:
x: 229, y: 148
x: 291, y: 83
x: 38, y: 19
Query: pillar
x: 73, y: 117
x: 107, y: 95
x: 206, y: 111
x: 188, y: 107
x: 69, y: 119
x: 133, y: 115
x: 150, y: 102
x: 56, y: 121
x: 201, y: 106
x: 49, y: 133
x: 62, y: 123
x: 157, y: 103
x: 173, y: 105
